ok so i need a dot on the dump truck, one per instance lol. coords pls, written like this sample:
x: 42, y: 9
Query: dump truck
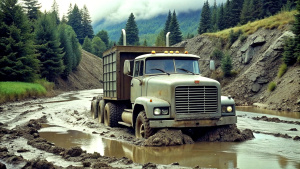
x: 149, y: 88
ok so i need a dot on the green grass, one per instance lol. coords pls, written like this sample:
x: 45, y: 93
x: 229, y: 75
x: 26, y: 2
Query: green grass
x: 11, y: 91
x: 282, y: 70
x: 271, y: 86
x: 273, y: 22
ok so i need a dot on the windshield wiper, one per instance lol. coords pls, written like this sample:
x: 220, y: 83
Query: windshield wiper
x: 186, y: 70
x: 161, y: 71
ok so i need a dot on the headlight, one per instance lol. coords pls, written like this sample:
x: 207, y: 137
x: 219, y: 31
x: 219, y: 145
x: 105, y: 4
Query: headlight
x: 161, y: 111
x: 157, y: 111
x: 227, y: 109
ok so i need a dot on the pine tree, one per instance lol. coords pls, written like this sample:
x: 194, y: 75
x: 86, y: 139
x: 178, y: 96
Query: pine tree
x: 160, y: 39
x: 104, y: 37
x: 214, y: 18
x: 132, y: 31
x: 76, y: 58
x: 271, y: 7
x: 227, y: 14
x: 86, y: 23
x: 235, y: 13
x: 257, y: 12
x: 32, y: 8
x: 288, y: 55
x: 145, y: 43
x: 74, y: 20
x: 296, y: 31
x: 48, y: 46
x: 55, y: 12
x: 205, y: 20
x: 87, y: 45
x: 221, y: 24
x: 246, y: 12
x: 18, y: 61
x: 65, y: 44
x: 98, y: 46
x: 175, y: 35
x: 167, y: 26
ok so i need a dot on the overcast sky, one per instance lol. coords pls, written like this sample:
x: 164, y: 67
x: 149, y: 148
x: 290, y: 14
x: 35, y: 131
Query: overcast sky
x: 114, y: 11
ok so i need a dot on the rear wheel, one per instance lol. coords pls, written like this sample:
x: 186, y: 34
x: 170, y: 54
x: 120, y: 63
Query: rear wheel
x: 111, y: 115
x: 142, y: 126
x: 101, y: 111
x: 94, y: 109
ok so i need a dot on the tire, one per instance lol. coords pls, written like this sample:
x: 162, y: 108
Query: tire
x: 142, y: 126
x: 111, y: 115
x: 101, y: 111
x: 94, y: 109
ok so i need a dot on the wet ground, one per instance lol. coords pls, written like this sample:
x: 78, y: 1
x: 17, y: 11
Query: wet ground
x: 69, y: 124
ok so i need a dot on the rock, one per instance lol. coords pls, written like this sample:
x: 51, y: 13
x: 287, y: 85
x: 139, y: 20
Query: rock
x: 296, y: 138
x: 256, y: 88
x: 249, y: 55
x: 258, y: 41
x: 262, y: 80
x: 298, y: 101
x: 2, y: 166
x: 245, y: 47
x: 279, y: 43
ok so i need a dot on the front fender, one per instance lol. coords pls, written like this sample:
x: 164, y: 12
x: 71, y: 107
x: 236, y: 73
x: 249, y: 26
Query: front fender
x: 227, y: 101
x: 149, y: 103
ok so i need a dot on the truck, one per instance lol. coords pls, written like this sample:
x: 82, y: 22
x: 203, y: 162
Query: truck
x: 149, y: 88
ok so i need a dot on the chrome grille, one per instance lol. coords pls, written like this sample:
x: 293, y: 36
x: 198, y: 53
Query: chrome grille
x: 196, y: 99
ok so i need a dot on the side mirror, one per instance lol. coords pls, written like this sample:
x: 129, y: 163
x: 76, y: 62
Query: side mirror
x: 212, y: 65
x: 126, y: 69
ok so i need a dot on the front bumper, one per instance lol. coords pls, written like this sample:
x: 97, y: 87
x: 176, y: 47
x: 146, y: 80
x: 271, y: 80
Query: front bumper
x: 193, y: 123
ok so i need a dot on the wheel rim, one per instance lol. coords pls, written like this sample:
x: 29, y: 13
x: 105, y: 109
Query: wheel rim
x: 142, y: 130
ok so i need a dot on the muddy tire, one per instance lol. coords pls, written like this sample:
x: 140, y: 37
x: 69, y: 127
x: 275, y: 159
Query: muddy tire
x: 111, y: 115
x: 101, y: 111
x: 94, y: 109
x: 142, y: 126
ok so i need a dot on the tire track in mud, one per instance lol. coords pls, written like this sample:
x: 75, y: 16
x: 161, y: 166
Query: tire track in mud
x: 275, y: 119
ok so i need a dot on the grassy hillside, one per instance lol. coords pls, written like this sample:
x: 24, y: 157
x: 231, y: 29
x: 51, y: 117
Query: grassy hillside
x: 150, y: 28
x: 276, y: 21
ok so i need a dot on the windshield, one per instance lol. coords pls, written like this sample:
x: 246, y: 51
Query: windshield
x: 172, y: 65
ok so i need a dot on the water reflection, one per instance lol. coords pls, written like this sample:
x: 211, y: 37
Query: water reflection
x: 295, y: 115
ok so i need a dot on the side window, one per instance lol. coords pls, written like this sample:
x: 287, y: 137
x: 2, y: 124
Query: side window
x: 136, y: 68
x: 141, y: 68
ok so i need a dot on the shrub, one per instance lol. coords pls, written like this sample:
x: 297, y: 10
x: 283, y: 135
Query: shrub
x: 226, y: 65
x: 217, y: 54
x: 288, y: 54
x: 271, y: 86
x: 282, y: 70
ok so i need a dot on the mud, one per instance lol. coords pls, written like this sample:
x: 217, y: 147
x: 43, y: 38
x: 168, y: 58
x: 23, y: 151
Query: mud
x: 275, y: 119
x: 168, y: 137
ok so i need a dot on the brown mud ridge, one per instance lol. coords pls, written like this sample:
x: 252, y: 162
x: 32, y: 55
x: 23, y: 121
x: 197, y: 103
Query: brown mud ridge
x: 276, y: 120
x: 169, y: 137
x: 164, y: 137
x: 296, y: 138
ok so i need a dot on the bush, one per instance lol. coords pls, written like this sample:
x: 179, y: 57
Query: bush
x: 226, y: 65
x: 282, y: 70
x: 217, y: 54
x: 272, y: 86
x: 233, y: 36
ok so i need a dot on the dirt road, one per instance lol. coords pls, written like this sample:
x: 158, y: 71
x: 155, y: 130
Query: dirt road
x: 68, y: 137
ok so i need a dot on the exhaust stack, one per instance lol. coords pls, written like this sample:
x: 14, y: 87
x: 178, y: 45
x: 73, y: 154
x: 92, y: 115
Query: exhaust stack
x: 167, y: 39
x: 124, y: 37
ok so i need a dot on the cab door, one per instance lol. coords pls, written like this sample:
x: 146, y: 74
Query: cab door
x: 136, y: 82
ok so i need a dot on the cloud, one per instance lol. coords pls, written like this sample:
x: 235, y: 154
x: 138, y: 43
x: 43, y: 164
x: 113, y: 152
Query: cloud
x: 115, y: 11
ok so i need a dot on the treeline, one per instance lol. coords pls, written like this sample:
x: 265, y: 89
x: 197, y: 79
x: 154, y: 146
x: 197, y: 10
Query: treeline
x: 37, y: 44
x: 234, y: 12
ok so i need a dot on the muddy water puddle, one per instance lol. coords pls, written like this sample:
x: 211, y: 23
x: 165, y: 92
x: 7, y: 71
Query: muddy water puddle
x: 255, y: 153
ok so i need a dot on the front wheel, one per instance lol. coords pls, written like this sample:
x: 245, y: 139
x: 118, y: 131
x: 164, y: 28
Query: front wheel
x: 142, y: 126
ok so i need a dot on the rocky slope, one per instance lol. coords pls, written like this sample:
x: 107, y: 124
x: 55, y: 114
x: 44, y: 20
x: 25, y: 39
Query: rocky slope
x: 87, y: 76
x: 256, y: 61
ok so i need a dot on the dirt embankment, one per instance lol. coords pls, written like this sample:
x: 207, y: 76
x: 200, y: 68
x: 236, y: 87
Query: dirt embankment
x: 256, y: 61
x: 88, y: 75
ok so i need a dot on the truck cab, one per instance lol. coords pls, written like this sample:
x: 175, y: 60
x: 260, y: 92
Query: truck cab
x: 166, y: 90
